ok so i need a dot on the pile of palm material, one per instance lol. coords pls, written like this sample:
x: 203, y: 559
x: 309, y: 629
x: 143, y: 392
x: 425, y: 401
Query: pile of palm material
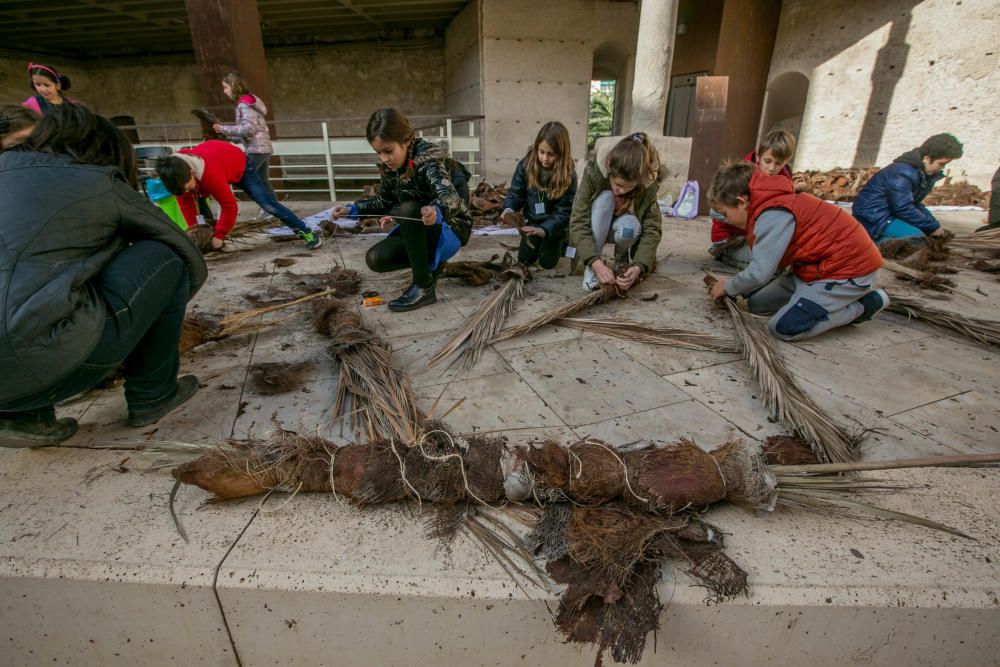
x: 958, y: 193
x: 200, y: 328
x: 601, y: 295
x: 609, y: 517
x: 831, y: 441
x: 477, y: 273
x: 201, y: 237
x: 976, y: 329
x: 927, y: 278
x: 339, y: 280
x: 652, y: 334
x: 377, y: 395
x: 487, y: 204
x: 280, y: 377
x: 835, y: 184
x: 470, y: 339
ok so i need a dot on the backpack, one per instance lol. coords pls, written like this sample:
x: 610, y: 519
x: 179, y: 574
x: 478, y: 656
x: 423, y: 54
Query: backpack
x: 687, y: 202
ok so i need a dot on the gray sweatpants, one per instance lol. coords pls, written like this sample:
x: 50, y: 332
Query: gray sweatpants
x: 806, y: 309
x: 626, y: 228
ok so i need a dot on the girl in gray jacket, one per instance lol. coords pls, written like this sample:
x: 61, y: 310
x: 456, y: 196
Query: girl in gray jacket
x: 250, y: 127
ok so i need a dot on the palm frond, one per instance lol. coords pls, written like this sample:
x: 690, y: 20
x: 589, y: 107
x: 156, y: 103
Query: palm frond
x: 653, y: 334
x: 576, y: 305
x: 978, y: 329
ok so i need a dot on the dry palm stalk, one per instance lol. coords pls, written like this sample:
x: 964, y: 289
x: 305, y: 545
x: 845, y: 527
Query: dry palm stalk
x: 381, y: 394
x: 924, y: 279
x: 831, y: 441
x: 475, y: 334
x: 988, y: 239
x: 605, y: 293
x: 978, y: 329
x: 652, y: 334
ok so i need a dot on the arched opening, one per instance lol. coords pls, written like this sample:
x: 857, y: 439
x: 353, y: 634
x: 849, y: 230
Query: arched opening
x: 608, y: 88
x: 784, y: 103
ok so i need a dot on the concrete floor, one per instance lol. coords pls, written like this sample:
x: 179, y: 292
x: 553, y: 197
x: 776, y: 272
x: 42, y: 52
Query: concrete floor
x: 95, y: 573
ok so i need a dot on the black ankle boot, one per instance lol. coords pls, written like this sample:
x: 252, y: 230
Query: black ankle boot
x: 414, y: 297
x: 34, y: 428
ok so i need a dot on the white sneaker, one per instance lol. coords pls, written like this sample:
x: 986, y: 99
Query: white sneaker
x: 590, y: 282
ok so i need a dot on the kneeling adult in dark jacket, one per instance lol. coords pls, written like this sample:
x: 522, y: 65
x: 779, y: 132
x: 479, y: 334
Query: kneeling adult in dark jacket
x: 890, y: 205
x: 92, y: 275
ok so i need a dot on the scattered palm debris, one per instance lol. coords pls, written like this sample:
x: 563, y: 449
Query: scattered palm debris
x: 280, y: 377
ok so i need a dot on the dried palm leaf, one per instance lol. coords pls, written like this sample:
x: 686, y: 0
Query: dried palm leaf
x: 988, y: 239
x: 652, y: 334
x: 475, y: 334
x: 925, y: 279
x: 831, y: 442
x: 589, y: 299
x: 978, y: 329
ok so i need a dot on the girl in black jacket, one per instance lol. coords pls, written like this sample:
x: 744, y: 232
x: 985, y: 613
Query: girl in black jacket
x: 418, y: 196
x: 92, y: 276
x: 542, y: 190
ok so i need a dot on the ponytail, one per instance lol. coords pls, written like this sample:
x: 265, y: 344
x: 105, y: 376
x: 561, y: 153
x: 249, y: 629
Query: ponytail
x: 634, y: 158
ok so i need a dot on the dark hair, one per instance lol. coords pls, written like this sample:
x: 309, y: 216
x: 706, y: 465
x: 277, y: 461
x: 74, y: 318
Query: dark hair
x: 50, y: 73
x: 731, y: 182
x: 174, y: 172
x: 391, y: 125
x: 14, y: 117
x: 941, y: 146
x: 635, y: 158
x: 71, y: 129
x: 556, y: 136
x: 237, y: 86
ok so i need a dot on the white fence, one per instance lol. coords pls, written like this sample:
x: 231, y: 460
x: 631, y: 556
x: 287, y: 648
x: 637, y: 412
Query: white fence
x: 317, y: 165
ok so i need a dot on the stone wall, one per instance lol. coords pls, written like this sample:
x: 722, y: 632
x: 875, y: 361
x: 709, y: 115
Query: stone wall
x: 882, y: 77
x: 463, y: 62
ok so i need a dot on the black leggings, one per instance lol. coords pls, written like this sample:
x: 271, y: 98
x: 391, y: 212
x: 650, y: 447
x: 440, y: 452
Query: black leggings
x: 546, y: 251
x: 412, y: 247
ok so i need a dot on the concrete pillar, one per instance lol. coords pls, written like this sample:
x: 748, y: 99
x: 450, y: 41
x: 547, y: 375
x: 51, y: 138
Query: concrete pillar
x: 654, y: 51
x: 226, y: 35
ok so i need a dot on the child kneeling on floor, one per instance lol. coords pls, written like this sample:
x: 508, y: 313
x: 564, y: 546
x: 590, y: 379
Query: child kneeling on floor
x: 772, y: 157
x: 616, y: 203
x: 834, y: 264
x: 418, y: 197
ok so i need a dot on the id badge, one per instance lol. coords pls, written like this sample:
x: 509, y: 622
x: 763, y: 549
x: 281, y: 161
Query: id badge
x: 570, y: 252
x: 539, y: 208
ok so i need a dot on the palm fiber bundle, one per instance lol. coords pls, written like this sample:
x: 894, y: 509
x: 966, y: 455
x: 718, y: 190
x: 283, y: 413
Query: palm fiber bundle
x: 479, y: 273
x: 382, y: 397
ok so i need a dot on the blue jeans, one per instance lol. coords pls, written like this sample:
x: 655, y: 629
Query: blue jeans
x: 263, y: 195
x: 897, y: 229
x: 260, y: 163
x: 145, y: 291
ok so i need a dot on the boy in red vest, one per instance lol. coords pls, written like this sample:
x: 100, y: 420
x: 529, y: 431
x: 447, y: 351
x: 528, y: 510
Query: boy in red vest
x: 834, y: 263
x: 211, y: 169
x: 772, y: 157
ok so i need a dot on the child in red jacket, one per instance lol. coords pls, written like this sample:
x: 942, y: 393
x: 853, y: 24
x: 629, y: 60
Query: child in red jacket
x: 834, y: 263
x: 209, y: 170
x: 772, y: 157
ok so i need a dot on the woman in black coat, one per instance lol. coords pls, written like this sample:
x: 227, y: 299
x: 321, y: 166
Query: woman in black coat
x: 92, y: 276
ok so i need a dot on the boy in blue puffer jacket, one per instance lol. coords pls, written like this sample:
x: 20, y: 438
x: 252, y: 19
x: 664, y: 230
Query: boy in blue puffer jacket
x: 889, y: 206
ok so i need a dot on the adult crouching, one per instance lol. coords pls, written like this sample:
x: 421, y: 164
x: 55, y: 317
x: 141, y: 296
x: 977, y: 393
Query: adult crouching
x: 92, y: 276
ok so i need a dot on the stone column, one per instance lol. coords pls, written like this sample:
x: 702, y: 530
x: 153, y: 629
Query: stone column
x: 654, y: 52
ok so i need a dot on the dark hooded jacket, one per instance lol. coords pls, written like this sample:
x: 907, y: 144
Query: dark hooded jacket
x: 429, y: 181
x: 61, y: 223
x: 897, y: 192
x: 523, y: 199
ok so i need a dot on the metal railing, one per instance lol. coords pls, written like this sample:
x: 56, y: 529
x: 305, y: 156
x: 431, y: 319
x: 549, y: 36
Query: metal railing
x: 327, y: 158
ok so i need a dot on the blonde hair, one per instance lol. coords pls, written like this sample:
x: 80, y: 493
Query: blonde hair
x: 556, y: 136
x: 781, y: 143
x: 731, y: 182
x: 634, y: 158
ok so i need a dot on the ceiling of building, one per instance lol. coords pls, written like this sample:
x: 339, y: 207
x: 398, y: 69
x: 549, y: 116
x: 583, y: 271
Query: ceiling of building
x: 95, y: 28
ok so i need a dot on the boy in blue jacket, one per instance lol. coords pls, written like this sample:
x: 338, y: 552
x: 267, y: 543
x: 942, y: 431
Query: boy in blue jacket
x: 889, y: 206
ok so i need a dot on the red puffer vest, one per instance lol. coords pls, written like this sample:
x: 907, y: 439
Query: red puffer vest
x: 828, y: 244
x: 721, y: 230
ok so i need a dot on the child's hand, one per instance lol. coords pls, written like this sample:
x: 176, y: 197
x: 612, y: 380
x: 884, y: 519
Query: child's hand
x: 627, y: 279
x: 533, y: 231
x: 510, y: 219
x: 428, y: 215
x: 216, y: 243
x: 386, y: 222
x: 605, y: 276
x: 217, y: 127
x: 340, y: 212
x: 719, y: 289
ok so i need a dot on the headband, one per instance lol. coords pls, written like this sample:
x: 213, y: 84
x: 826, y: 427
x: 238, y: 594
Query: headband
x: 48, y: 69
